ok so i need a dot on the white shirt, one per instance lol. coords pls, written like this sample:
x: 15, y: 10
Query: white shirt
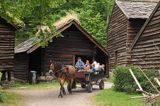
x: 96, y: 65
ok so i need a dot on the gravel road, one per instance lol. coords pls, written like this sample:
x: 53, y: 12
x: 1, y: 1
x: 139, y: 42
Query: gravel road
x: 49, y: 97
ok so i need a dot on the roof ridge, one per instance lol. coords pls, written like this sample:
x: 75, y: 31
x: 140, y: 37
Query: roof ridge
x: 133, y: 10
x: 151, y: 1
x: 116, y: 1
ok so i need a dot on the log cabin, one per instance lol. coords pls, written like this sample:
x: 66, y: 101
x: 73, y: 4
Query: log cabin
x: 145, y: 49
x: 76, y: 42
x: 126, y: 20
x: 7, y: 41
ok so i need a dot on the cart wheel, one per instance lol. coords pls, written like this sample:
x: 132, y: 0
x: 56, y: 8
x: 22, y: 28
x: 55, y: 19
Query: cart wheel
x: 83, y: 85
x: 101, y: 85
x: 89, y: 87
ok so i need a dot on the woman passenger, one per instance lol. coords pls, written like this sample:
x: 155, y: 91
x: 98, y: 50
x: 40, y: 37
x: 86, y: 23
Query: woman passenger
x: 87, y: 66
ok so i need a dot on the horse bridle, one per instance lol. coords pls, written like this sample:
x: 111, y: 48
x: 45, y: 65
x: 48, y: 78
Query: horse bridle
x: 55, y: 71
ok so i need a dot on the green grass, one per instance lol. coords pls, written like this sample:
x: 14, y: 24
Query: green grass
x: 114, y: 98
x: 41, y: 85
x: 11, y: 99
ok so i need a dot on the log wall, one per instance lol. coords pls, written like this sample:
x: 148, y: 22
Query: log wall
x: 134, y: 26
x: 117, y: 37
x: 146, y: 52
x: 7, y: 35
x: 121, y: 34
x: 21, y: 66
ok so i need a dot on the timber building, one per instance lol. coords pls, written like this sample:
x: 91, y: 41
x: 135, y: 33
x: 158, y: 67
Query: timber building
x: 127, y: 19
x: 76, y: 42
x: 7, y: 41
x: 145, y: 49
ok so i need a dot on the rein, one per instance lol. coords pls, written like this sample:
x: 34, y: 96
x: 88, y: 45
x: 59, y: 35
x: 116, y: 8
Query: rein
x: 57, y: 72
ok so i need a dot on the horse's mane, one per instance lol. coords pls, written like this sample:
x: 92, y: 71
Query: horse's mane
x: 58, y: 65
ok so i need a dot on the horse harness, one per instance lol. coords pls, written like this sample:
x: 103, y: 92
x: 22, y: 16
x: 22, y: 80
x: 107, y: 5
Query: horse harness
x: 59, y: 72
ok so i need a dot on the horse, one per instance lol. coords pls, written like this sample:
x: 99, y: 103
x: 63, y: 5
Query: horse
x: 63, y: 74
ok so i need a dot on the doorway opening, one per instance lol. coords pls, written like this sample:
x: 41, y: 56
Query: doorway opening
x: 35, y: 61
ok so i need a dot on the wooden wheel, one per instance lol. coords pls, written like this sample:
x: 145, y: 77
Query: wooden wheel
x: 83, y: 85
x: 101, y: 85
x: 89, y: 87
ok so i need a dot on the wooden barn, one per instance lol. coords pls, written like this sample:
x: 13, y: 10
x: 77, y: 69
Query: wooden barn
x: 7, y: 38
x: 126, y: 20
x: 76, y: 42
x: 146, y: 46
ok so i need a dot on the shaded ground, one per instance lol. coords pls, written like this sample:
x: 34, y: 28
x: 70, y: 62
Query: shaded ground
x: 49, y: 97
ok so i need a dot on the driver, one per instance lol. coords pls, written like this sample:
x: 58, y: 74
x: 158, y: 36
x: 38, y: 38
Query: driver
x: 79, y: 64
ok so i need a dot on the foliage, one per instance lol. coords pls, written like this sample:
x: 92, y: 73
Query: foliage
x: 94, y: 15
x: 2, y: 96
x: 123, y: 81
x: 10, y: 99
x: 11, y: 13
x: 114, y: 98
x: 38, y: 13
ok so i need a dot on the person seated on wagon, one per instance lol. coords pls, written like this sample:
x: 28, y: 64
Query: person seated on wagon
x: 102, y: 67
x: 87, y: 66
x: 95, y: 66
x: 79, y: 64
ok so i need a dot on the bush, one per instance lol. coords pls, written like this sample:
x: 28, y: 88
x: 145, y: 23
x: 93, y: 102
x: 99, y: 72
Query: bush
x: 2, y: 97
x: 123, y: 80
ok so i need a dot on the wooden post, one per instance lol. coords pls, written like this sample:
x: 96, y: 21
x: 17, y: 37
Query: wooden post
x: 137, y: 82
x: 157, y: 81
x: 150, y: 98
x: 149, y: 80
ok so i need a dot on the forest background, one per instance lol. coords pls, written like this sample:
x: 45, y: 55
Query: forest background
x: 31, y: 14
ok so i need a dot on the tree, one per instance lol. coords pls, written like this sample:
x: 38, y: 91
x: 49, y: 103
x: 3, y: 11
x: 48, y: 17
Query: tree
x: 37, y: 14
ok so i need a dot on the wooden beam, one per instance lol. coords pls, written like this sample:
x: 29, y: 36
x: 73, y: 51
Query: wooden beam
x: 149, y: 80
x: 137, y: 82
x: 157, y: 81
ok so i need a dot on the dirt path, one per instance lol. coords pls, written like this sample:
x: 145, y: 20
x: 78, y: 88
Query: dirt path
x: 48, y: 97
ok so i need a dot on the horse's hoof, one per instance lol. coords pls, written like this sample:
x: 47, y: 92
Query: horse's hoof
x: 70, y: 93
x: 60, y: 96
x: 64, y: 93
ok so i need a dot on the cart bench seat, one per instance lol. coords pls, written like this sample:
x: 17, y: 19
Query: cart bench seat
x: 81, y: 74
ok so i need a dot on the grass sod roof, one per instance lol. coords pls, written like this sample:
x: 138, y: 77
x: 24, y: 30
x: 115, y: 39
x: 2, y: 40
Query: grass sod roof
x: 136, y: 9
x: 15, y: 22
x: 30, y: 45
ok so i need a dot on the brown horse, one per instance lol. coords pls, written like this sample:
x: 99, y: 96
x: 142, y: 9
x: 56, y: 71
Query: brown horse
x: 63, y: 74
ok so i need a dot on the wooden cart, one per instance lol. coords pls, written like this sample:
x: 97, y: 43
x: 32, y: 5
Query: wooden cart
x: 88, y: 79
